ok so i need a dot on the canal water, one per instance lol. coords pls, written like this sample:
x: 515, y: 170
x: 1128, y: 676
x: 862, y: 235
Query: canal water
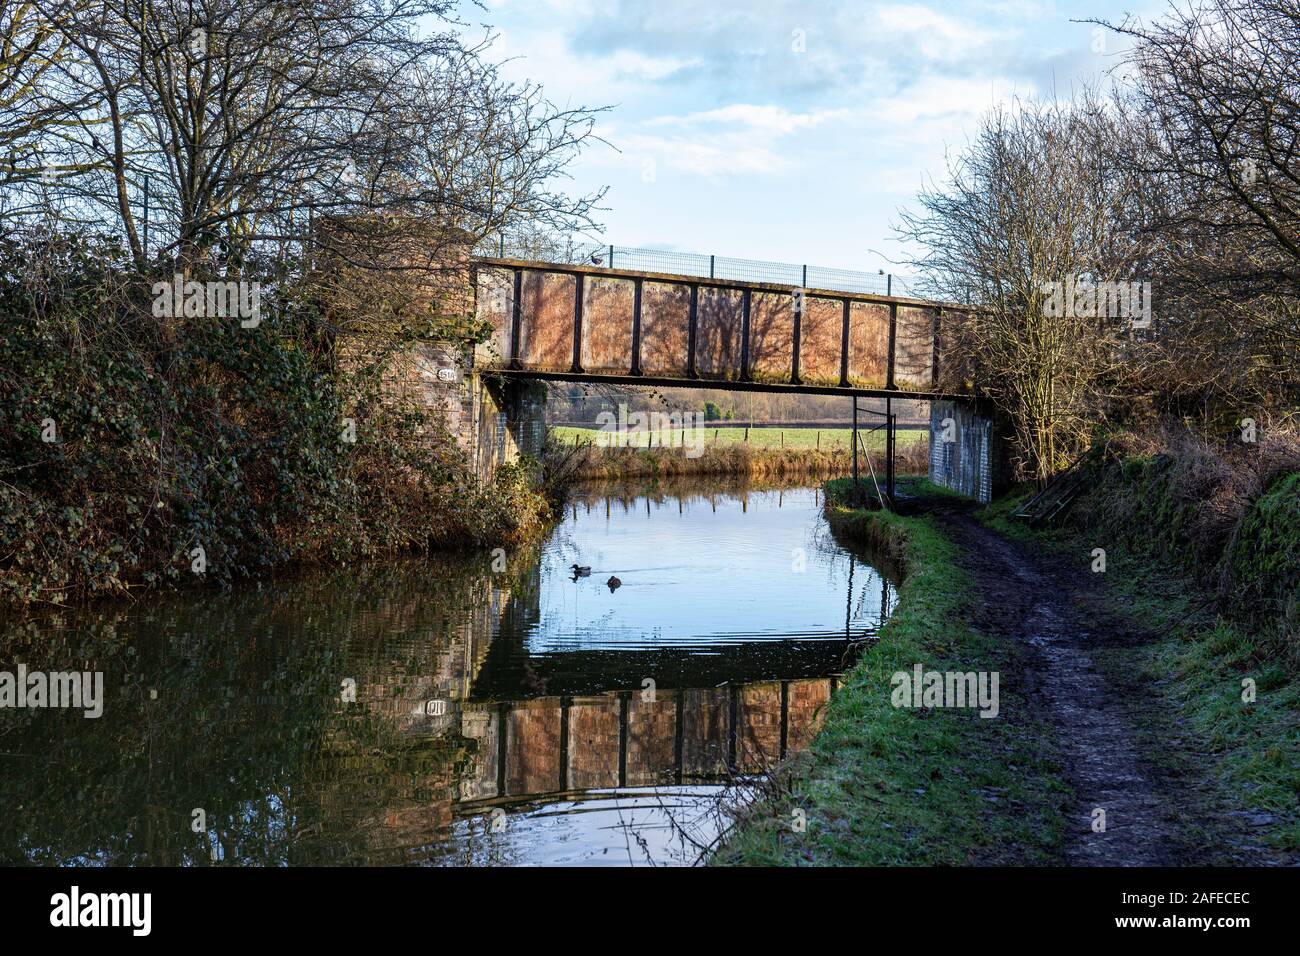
x: 491, y: 709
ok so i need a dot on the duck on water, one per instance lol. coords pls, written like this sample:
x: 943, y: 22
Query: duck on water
x: 584, y: 570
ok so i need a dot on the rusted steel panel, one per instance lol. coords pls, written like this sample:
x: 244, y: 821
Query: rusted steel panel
x: 665, y: 332
x: 955, y: 371
x: 607, y: 325
x: 846, y: 307
x: 868, y: 345
x: 771, y: 336
x: 495, y: 289
x: 593, y: 742
x: 706, y: 717
x: 758, y: 746
x: 819, y: 345
x: 805, y: 704
x: 651, y: 733
x: 692, y: 328
x: 717, y: 346
x: 934, y: 354
x: 546, y: 328
x: 914, y: 348
x: 533, y: 747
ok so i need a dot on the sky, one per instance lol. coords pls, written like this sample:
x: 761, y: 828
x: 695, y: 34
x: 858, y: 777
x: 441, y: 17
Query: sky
x: 788, y: 130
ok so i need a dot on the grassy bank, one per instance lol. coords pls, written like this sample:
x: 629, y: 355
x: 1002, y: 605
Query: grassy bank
x: 887, y: 785
x: 1244, y: 755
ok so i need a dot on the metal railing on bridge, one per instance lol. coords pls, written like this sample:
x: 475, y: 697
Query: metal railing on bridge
x: 698, y: 264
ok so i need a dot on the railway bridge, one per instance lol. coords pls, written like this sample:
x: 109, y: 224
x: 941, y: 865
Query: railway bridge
x: 589, y: 323
x: 592, y: 323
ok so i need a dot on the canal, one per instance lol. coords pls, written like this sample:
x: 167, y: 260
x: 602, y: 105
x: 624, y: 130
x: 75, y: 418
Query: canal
x: 492, y: 709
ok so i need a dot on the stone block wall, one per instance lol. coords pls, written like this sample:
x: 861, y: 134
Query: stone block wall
x: 966, y: 451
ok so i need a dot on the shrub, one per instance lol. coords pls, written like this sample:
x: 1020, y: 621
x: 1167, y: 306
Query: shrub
x: 127, y: 442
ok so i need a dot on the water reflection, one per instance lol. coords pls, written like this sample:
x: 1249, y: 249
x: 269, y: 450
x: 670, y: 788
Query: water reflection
x: 521, y: 717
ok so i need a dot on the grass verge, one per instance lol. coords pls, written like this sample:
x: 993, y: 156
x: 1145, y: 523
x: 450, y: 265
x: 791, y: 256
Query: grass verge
x: 886, y: 785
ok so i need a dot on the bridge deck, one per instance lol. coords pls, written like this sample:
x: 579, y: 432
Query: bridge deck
x: 589, y: 323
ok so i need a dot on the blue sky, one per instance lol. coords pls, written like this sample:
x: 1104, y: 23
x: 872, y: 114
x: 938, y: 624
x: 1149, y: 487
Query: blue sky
x: 790, y: 130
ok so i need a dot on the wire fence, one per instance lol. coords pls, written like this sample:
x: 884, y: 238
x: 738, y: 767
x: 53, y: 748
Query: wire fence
x: 697, y: 264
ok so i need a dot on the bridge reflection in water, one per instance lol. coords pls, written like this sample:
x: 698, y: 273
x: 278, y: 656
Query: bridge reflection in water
x: 629, y: 739
x: 620, y: 724
x: 497, y: 718
x: 622, y: 727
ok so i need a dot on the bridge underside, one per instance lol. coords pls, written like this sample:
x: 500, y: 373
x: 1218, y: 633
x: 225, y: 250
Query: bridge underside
x: 589, y: 378
x: 591, y: 324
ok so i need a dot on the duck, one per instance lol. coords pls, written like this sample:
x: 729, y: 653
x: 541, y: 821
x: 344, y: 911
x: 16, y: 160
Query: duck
x: 581, y: 570
x: 614, y: 584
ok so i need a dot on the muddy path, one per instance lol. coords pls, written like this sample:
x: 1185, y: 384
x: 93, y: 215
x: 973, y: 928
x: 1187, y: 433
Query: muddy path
x: 1059, y: 619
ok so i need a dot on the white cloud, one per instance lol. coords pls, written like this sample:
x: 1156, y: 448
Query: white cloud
x: 716, y: 115
x: 954, y: 100
x: 767, y: 118
x: 935, y: 35
x: 544, y: 56
x: 741, y: 138
x: 629, y: 65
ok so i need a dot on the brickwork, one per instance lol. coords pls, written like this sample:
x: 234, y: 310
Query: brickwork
x: 966, y: 457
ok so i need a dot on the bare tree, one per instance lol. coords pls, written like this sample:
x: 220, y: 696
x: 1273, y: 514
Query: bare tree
x: 1214, y: 87
x: 247, y: 120
x: 1032, y: 205
x: 458, y: 157
x: 32, y: 43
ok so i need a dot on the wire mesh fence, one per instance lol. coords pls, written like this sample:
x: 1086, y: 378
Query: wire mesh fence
x: 697, y: 264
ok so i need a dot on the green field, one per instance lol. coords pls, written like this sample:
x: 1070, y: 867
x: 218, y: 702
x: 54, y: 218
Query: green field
x: 823, y: 438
